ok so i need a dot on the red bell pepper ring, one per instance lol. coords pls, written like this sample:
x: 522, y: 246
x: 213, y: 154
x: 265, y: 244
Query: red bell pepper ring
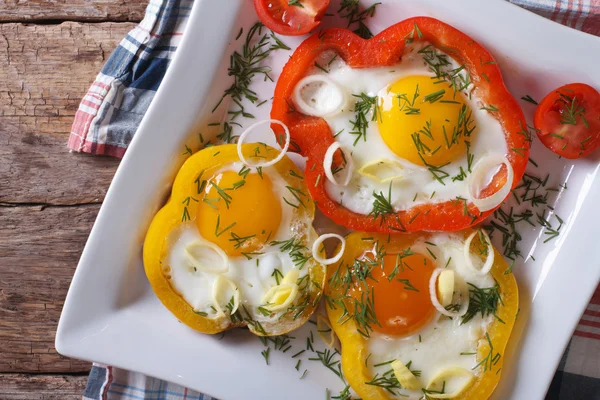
x: 312, y: 136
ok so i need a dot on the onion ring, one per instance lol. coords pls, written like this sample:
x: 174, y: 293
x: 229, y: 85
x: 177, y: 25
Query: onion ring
x: 436, y: 303
x: 249, y: 130
x: 328, y: 162
x: 479, y: 171
x: 306, y: 108
x: 489, y: 262
x: 320, y: 240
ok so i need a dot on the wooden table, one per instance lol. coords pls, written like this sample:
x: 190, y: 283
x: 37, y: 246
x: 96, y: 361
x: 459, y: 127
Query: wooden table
x: 50, y: 52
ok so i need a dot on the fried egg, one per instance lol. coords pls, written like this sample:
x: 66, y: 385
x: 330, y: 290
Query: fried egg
x: 424, y: 309
x: 241, y: 252
x: 411, y: 136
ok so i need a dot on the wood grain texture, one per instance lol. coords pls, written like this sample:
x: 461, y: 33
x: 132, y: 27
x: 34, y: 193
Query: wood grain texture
x: 46, y: 69
x: 42, y: 387
x: 39, y: 249
x: 71, y: 10
x: 44, y: 72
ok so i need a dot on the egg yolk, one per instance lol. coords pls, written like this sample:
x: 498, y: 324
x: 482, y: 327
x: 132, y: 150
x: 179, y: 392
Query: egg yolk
x: 402, y: 303
x: 239, y: 214
x: 425, y: 121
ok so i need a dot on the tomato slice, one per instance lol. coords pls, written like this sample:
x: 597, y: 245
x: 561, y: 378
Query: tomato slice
x: 567, y: 120
x: 291, y: 17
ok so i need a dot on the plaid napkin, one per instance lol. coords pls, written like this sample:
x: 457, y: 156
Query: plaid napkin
x: 111, y: 111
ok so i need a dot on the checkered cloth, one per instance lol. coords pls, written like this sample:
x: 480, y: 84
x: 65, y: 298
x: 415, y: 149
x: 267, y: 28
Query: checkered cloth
x: 111, y: 111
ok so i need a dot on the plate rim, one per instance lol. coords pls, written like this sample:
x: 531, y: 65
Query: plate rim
x: 70, y: 313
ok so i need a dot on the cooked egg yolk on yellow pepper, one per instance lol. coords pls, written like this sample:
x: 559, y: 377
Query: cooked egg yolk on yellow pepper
x: 425, y: 122
x: 357, y: 319
x: 252, y: 220
x: 406, y: 284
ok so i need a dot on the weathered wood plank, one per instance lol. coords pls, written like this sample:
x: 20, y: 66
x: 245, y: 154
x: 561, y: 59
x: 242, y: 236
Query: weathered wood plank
x: 41, y: 387
x: 48, y: 69
x: 39, y: 249
x: 71, y: 10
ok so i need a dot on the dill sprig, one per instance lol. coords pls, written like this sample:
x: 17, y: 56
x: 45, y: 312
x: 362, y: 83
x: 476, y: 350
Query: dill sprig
x: 361, y: 310
x: 459, y: 78
x: 350, y: 9
x: 382, y: 206
x: 245, y: 65
x: 408, y: 105
x: 549, y: 231
x: 219, y: 232
x: 490, y: 359
x: 435, y: 96
x: 571, y: 109
x: 225, y: 134
x: 409, y: 38
x: 483, y: 301
x: 296, y: 248
x: 387, y: 381
x: 280, y: 343
x: 239, y: 240
x: 265, y: 354
x: 400, y: 264
x: 436, y: 171
x: 362, y: 107
x: 534, y: 193
x: 222, y: 193
x: 278, y: 275
x: 344, y: 394
x: 330, y: 361
x: 529, y: 99
x: 296, y: 193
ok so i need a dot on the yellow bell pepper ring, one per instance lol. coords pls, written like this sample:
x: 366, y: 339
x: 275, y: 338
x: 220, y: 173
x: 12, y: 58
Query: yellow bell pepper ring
x: 291, y: 302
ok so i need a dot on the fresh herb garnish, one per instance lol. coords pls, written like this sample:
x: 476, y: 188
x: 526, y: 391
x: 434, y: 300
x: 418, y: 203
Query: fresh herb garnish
x: 571, y: 109
x: 245, y: 65
x: 350, y: 9
x: 483, y: 301
x: 387, y: 381
x: 296, y: 248
x: 382, y: 206
x: 330, y: 361
x: 490, y: 359
x: 529, y: 99
x: 362, y: 107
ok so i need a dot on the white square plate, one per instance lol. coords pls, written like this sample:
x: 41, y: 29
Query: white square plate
x: 111, y: 315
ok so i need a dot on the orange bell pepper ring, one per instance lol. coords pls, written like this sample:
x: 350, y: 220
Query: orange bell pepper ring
x: 354, y: 336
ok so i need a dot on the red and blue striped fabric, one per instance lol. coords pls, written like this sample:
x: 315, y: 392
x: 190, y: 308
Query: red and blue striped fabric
x: 113, y: 107
x: 111, y: 111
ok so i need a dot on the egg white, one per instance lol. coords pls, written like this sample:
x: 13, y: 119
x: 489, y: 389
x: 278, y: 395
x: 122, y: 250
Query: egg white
x: 253, y: 277
x: 440, y: 343
x: 418, y: 185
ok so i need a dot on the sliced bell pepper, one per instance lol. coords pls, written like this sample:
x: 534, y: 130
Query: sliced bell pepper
x: 180, y: 210
x: 312, y: 136
x: 355, y: 351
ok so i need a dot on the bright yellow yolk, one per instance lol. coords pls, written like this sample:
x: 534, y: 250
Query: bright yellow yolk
x: 401, y: 295
x: 425, y: 122
x: 246, y: 220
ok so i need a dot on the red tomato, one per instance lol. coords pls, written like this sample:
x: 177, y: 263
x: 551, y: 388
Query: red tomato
x: 291, y: 17
x: 568, y: 120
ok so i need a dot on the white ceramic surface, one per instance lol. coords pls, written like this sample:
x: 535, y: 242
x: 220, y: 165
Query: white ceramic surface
x: 111, y: 315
